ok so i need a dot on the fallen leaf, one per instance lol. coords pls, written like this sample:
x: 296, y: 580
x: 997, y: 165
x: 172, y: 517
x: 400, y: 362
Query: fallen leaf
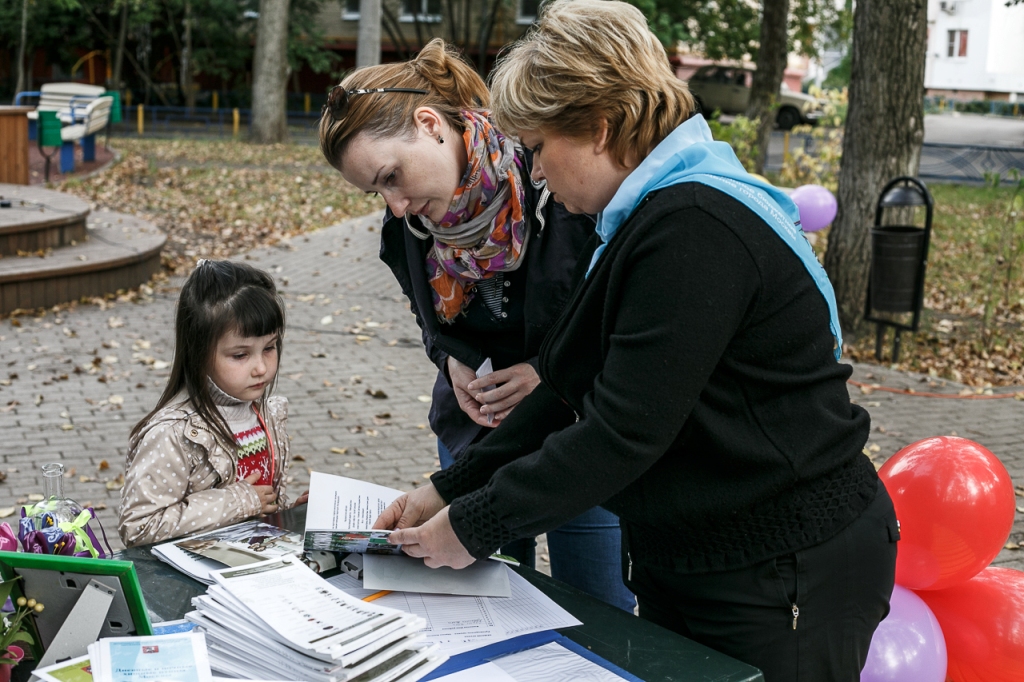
x: 1011, y: 545
x: 39, y: 400
x: 6, y: 511
x: 339, y: 451
x: 67, y: 427
x: 116, y: 484
x: 874, y: 448
x: 160, y: 364
x: 328, y: 384
x: 326, y: 320
x: 86, y: 479
x: 35, y: 497
x: 115, y: 322
x: 104, y: 465
x: 318, y: 354
x: 360, y: 452
x: 423, y: 398
x: 100, y: 507
x: 372, y: 432
x: 332, y: 415
x: 298, y: 458
x: 116, y: 400
x: 355, y: 379
x: 378, y: 393
x: 355, y: 429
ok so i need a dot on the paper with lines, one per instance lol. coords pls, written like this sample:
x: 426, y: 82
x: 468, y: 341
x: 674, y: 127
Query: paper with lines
x: 461, y: 624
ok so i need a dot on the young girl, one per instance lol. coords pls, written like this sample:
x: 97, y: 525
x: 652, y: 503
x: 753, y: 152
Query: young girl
x: 214, y: 450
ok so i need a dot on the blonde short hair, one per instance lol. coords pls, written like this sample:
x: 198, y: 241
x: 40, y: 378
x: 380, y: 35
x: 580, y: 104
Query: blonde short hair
x: 451, y: 84
x: 588, y: 60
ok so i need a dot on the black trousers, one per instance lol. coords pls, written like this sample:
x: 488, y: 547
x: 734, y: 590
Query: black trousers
x: 802, y: 617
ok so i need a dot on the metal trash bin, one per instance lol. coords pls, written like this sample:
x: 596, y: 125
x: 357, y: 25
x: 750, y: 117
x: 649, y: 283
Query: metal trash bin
x: 899, y: 255
x: 896, y: 253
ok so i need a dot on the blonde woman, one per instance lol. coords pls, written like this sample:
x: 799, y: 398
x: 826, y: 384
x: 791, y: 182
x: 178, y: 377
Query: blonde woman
x: 699, y: 354
x: 483, y: 254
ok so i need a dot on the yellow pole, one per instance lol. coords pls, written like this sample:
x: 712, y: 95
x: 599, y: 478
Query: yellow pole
x: 110, y: 70
x: 92, y: 72
x: 785, y: 147
x: 1016, y: 107
x: 235, y: 117
x: 140, y: 115
x: 128, y: 98
x: 215, y: 102
x: 307, y: 102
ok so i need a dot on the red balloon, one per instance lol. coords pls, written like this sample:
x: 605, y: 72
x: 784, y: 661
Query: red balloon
x: 983, y: 623
x: 954, y: 500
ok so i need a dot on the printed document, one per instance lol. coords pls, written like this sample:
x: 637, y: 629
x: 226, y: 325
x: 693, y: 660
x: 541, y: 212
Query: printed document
x: 460, y: 624
x: 341, y: 512
x: 159, y: 658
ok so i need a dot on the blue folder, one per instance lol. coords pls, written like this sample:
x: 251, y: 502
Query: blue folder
x: 471, y: 659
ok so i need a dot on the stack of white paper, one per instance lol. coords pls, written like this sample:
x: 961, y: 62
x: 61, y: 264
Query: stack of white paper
x: 167, y: 658
x: 277, y: 619
x: 238, y: 545
x: 458, y: 624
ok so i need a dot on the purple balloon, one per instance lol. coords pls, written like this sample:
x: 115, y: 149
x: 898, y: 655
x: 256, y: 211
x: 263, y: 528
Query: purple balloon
x: 817, y: 206
x: 908, y: 645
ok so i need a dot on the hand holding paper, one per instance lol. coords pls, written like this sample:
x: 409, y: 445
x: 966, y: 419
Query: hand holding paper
x: 435, y: 542
x: 411, y: 509
x: 499, y: 392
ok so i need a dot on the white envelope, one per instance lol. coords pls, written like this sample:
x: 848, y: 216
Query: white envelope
x: 408, y: 574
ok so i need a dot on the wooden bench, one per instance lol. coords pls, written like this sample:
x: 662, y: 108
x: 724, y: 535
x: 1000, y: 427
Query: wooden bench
x: 57, y: 97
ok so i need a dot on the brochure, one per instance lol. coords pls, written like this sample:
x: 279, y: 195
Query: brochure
x: 74, y: 670
x: 160, y: 658
x: 238, y: 545
x: 341, y: 513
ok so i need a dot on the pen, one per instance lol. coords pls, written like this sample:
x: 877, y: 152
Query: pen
x: 377, y: 595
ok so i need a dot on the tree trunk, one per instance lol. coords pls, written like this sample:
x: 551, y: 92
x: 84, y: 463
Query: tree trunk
x: 771, y: 65
x: 21, y: 48
x: 188, y: 90
x: 270, y: 74
x: 122, y: 36
x: 368, y: 47
x: 884, y: 131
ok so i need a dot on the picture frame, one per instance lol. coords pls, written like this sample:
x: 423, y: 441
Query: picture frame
x: 58, y: 581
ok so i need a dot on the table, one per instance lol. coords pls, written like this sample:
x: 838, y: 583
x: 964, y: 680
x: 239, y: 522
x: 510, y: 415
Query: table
x: 650, y: 652
x: 14, y: 144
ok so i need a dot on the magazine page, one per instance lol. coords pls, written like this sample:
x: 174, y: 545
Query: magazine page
x: 341, y: 512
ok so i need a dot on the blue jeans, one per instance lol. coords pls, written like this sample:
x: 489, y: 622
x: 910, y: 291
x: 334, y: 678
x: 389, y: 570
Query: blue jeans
x: 585, y: 552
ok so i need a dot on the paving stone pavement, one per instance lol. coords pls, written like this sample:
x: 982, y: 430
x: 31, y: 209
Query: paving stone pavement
x: 73, y: 384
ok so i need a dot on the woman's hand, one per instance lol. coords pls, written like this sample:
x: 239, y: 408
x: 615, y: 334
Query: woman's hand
x: 411, y: 509
x: 267, y: 493
x: 435, y: 542
x: 514, y: 383
x: 462, y: 375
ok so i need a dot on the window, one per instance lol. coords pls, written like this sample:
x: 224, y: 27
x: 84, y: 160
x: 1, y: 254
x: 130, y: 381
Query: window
x: 425, y: 10
x: 527, y: 11
x: 957, y: 46
x: 350, y: 10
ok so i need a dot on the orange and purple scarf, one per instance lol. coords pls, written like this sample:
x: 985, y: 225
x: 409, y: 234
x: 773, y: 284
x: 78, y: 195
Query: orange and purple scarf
x: 483, y: 232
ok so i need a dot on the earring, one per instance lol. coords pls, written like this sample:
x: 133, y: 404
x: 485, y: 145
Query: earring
x: 440, y: 140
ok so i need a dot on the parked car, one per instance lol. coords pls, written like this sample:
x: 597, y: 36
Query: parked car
x: 727, y: 89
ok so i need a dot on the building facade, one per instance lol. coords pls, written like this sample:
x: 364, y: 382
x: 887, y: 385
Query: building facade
x: 975, y: 50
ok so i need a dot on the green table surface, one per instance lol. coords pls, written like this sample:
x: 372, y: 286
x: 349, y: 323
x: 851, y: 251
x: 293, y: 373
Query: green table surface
x: 650, y: 652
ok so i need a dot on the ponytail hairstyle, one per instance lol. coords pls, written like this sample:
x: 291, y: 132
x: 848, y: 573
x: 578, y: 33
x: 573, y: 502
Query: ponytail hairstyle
x: 451, y: 83
x: 588, y: 60
x: 218, y: 297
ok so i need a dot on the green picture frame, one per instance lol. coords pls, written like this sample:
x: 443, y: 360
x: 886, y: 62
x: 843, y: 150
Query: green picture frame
x: 124, y: 571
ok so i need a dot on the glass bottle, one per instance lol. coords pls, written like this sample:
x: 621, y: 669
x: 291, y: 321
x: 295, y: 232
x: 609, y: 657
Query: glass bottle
x: 63, y: 509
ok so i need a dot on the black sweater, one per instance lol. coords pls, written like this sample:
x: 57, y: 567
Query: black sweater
x: 690, y: 387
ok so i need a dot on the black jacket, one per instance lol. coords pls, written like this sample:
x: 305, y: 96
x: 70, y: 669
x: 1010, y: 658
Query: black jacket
x: 713, y: 417
x: 542, y: 284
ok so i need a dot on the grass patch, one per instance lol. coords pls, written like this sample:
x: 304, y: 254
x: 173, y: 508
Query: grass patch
x: 215, y: 199
x: 974, y: 299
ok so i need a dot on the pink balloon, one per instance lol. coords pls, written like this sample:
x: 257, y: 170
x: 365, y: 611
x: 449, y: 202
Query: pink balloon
x: 908, y: 645
x: 817, y: 206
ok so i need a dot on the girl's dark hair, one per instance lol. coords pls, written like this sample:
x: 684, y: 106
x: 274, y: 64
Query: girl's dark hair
x: 218, y: 297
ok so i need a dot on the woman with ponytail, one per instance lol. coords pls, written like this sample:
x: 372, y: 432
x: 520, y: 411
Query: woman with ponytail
x: 700, y: 352
x: 484, y: 256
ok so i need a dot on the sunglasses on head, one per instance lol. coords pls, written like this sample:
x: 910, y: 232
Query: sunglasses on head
x: 338, y: 99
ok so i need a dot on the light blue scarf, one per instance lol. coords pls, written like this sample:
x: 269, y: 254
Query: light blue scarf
x: 690, y: 154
